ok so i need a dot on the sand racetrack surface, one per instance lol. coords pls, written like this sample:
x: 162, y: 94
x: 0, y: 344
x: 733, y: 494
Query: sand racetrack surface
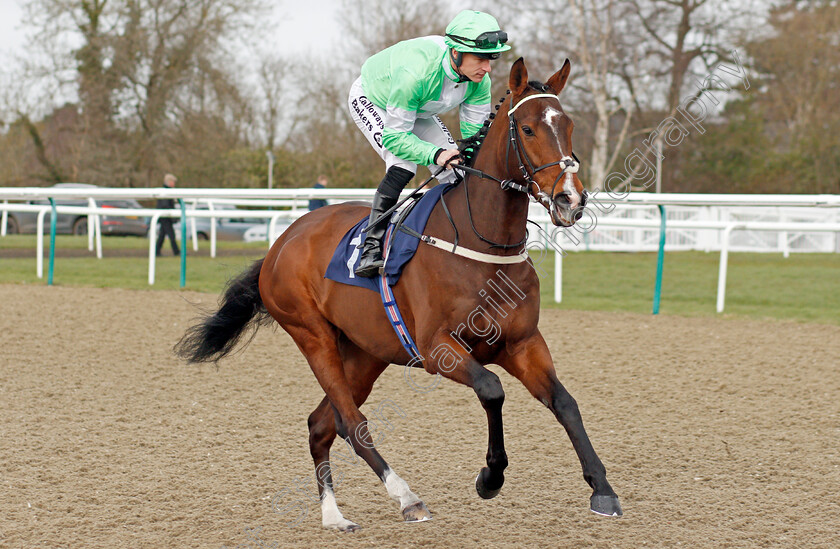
x: 715, y: 433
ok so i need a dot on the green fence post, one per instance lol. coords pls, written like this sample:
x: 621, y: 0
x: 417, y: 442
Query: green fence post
x: 52, y: 243
x: 183, y: 242
x: 660, y: 258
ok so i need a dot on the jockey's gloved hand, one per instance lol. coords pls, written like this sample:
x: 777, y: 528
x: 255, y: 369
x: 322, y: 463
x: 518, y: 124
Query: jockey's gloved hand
x: 445, y: 157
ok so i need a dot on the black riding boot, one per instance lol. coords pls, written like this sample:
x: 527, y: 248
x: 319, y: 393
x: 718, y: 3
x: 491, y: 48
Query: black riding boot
x: 372, y: 260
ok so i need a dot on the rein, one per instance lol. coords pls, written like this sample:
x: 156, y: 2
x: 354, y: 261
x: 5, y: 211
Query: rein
x: 413, y: 194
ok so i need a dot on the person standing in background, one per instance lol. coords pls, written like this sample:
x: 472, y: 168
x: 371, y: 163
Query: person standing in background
x: 316, y: 203
x: 166, y: 222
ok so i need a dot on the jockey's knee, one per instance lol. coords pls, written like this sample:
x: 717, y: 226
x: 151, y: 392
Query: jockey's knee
x: 447, y: 176
x: 395, y: 180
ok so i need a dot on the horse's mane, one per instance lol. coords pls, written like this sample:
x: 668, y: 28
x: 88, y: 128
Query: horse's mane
x: 470, y: 146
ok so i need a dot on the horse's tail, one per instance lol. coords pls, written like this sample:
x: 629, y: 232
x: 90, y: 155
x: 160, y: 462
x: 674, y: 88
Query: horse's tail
x: 216, y: 335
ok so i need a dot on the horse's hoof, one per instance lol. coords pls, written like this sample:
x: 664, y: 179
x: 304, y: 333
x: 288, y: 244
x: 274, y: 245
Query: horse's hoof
x: 481, y: 485
x: 416, y: 512
x: 607, y: 506
x: 343, y: 526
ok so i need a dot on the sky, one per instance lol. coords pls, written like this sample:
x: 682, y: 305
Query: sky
x: 11, y: 37
x: 294, y: 22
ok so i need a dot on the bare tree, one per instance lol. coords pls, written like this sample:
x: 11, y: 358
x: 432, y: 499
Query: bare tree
x: 138, y: 69
x: 174, y: 54
x: 326, y: 137
x: 797, y: 97
x: 606, y: 67
x: 680, y: 32
x: 683, y: 41
x: 373, y: 25
x: 274, y: 92
x: 800, y: 62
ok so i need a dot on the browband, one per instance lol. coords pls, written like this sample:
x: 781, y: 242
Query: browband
x: 531, y: 97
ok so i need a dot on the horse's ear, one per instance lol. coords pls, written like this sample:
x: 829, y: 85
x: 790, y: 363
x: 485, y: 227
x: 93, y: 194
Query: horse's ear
x: 558, y: 81
x: 518, y: 77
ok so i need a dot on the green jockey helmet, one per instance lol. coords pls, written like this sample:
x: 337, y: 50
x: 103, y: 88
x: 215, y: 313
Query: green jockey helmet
x: 476, y: 32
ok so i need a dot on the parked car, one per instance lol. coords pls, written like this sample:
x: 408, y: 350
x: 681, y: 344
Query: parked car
x: 230, y: 225
x: 27, y: 222
x: 259, y: 233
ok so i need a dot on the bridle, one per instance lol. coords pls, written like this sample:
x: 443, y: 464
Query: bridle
x: 570, y: 164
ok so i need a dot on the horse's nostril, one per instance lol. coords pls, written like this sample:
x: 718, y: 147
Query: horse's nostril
x: 563, y: 198
x: 578, y: 215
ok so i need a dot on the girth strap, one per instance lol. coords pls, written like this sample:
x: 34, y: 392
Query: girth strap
x: 465, y: 252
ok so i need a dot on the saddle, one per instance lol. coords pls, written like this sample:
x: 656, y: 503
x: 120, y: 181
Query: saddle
x: 399, y: 246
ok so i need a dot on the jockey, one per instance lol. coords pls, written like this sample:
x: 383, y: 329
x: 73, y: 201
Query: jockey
x: 396, y: 100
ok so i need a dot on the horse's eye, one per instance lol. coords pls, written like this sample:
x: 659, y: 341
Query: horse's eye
x: 527, y: 131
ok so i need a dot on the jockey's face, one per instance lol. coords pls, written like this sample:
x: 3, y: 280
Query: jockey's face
x: 474, y: 67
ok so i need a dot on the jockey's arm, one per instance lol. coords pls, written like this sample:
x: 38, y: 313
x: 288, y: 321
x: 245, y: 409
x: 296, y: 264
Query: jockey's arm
x: 400, y: 116
x: 476, y: 107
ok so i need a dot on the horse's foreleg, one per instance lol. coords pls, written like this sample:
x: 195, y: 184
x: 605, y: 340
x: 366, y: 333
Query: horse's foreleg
x: 463, y: 368
x: 534, y: 367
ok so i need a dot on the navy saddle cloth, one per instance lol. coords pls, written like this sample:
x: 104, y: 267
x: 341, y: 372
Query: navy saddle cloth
x: 346, y: 256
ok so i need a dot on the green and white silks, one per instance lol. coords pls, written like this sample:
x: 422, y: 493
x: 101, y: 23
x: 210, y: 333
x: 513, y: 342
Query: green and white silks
x: 399, y: 94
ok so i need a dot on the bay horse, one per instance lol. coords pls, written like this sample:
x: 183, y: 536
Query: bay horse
x: 344, y: 333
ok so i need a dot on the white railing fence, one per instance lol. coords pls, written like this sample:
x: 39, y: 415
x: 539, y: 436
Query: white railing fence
x: 749, y: 223
x: 610, y: 233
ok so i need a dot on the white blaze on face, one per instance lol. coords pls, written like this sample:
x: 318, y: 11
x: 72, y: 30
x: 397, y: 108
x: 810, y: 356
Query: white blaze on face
x: 552, y: 118
x: 569, y: 187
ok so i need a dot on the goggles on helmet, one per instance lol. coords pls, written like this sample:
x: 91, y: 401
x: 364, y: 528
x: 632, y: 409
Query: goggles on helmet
x: 485, y: 40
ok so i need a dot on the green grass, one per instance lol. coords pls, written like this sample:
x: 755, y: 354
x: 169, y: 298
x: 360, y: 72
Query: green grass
x: 803, y: 287
x: 204, y: 274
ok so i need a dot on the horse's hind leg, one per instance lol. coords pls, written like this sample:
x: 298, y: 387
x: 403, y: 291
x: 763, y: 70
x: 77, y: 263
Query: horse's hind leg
x: 321, y: 436
x: 361, y: 370
x: 534, y: 368
x: 317, y: 340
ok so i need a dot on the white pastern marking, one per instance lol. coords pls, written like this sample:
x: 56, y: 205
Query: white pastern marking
x: 399, y: 490
x: 331, y: 516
